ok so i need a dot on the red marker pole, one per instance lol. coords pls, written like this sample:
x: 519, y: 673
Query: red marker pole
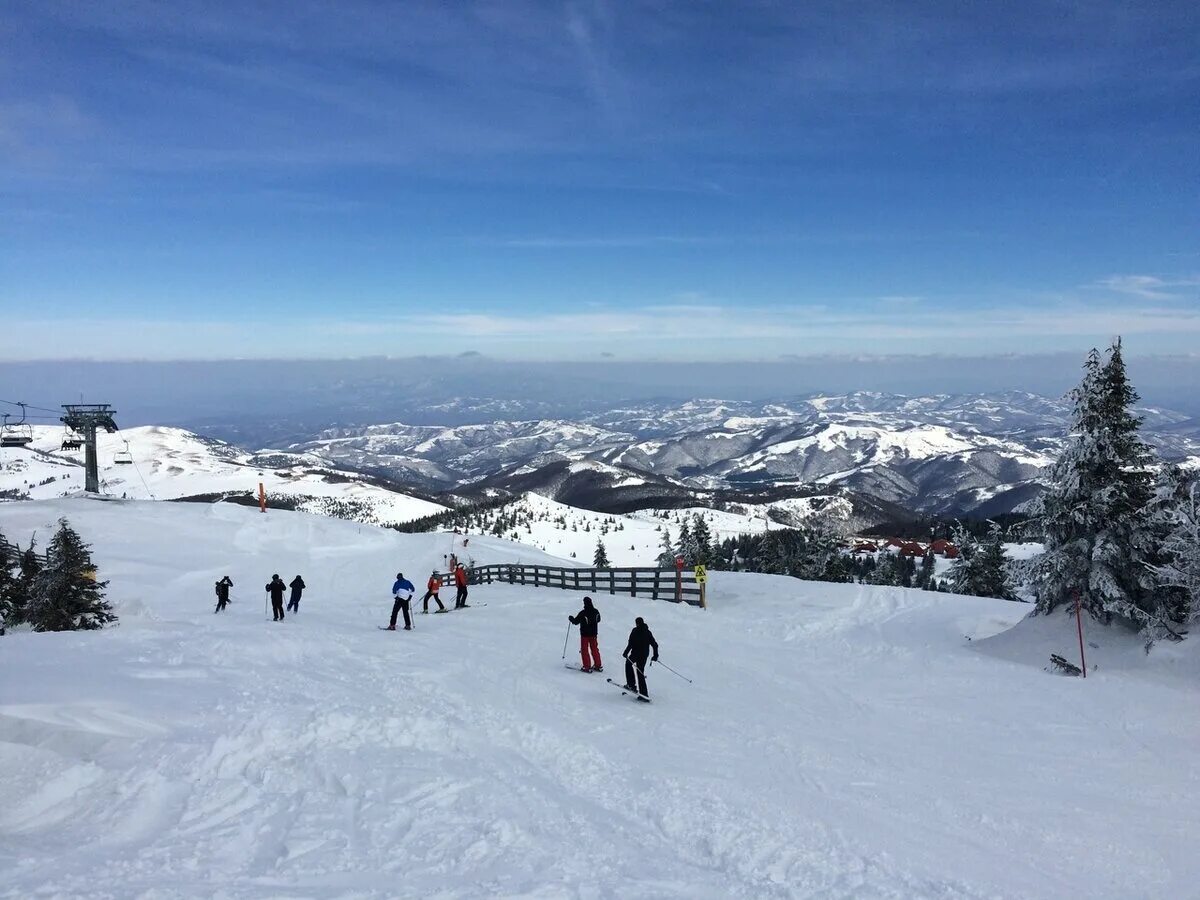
x: 679, y: 579
x: 1079, y: 623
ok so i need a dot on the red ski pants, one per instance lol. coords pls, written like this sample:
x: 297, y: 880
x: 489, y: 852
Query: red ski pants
x: 589, y: 645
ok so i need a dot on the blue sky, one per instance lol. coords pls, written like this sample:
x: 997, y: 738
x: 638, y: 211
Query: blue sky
x: 571, y: 180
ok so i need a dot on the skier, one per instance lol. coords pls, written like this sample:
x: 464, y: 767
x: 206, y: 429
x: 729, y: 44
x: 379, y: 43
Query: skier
x: 636, y: 651
x: 297, y: 587
x: 460, y: 579
x: 276, y: 589
x: 222, y: 588
x: 403, y: 591
x: 434, y: 585
x: 588, y: 620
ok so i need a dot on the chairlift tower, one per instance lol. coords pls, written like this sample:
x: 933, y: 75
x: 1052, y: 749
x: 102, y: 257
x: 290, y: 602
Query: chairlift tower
x: 84, y: 419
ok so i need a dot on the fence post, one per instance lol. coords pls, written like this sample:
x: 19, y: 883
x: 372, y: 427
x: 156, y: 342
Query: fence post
x: 612, y: 581
x: 576, y: 579
x: 657, y: 576
x: 593, y: 581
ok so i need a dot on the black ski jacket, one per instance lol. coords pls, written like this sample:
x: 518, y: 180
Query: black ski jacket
x: 588, y: 620
x: 223, y: 590
x: 640, y: 642
x: 276, y: 589
x: 297, y: 587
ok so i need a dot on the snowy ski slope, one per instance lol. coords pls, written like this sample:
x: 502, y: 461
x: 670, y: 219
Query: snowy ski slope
x: 838, y: 741
x: 169, y: 463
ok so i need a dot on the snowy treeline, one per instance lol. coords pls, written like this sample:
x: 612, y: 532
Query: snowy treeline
x: 54, y: 591
x: 1120, y: 528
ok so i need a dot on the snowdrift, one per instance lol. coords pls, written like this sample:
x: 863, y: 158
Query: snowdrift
x: 838, y: 741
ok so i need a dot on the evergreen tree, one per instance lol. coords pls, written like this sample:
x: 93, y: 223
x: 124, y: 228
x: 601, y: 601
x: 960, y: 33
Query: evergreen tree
x: 1094, y: 512
x: 924, y: 579
x: 981, y: 569
x: 687, y: 544
x: 1175, y: 523
x: 666, y: 555
x: 10, y: 601
x: 600, y: 560
x: 65, y: 595
x: 703, y: 541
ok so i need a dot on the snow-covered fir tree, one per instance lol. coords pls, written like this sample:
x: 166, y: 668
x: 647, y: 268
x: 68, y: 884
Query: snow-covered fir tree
x: 1094, y: 513
x: 10, y: 598
x: 65, y: 595
x: 687, y: 543
x: 600, y: 558
x: 666, y: 553
x: 702, y: 539
x: 981, y: 567
x: 1175, y: 522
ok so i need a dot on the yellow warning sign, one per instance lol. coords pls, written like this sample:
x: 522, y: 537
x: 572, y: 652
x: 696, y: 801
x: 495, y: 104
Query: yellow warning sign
x: 701, y: 575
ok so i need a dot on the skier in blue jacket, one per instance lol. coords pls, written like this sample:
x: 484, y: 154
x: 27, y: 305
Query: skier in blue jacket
x: 402, y: 591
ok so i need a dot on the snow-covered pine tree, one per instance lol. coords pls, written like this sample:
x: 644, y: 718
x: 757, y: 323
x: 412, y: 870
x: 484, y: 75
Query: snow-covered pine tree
x: 600, y: 559
x: 703, y: 541
x: 666, y: 555
x: 1094, y: 512
x: 65, y: 595
x: 687, y: 544
x: 1175, y: 522
x: 981, y: 567
x: 10, y: 605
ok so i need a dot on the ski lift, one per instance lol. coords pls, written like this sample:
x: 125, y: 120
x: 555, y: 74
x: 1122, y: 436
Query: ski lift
x: 123, y: 457
x: 72, y: 441
x: 16, y: 434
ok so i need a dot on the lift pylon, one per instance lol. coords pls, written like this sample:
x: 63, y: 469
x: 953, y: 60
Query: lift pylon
x: 85, y: 419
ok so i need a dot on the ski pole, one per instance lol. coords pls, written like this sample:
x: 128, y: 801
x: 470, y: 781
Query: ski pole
x: 673, y: 672
x: 565, y: 639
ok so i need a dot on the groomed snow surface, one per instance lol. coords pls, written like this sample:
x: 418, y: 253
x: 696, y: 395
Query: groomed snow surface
x: 838, y: 741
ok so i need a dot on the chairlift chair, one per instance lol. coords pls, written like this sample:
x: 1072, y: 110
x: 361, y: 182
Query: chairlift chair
x: 123, y: 457
x: 16, y: 434
x: 72, y: 441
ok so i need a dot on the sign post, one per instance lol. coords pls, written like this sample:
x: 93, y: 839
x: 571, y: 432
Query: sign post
x: 702, y: 580
x: 1079, y: 624
x: 678, y: 579
x: 262, y: 495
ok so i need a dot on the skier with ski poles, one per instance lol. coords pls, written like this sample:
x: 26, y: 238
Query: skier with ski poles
x: 588, y: 620
x: 432, y: 587
x: 275, y: 589
x: 222, y: 588
x: 297, y: 587
x: 402, y: 591
x: 460, y: 579
x: 641, y: 640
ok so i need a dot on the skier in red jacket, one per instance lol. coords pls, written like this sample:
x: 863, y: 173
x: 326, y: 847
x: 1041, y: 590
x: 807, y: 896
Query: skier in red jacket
x: 460, y: 579
x: 432, y: 588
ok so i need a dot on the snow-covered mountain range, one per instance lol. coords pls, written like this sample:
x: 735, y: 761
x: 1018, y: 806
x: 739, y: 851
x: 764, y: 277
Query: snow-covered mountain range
x: 946, y: 454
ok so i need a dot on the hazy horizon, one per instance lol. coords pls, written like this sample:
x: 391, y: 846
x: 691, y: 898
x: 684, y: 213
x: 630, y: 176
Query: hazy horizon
x: 377, y: 390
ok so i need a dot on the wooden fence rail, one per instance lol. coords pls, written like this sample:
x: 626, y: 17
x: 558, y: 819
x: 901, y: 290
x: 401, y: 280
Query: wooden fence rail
x: 656, y: 584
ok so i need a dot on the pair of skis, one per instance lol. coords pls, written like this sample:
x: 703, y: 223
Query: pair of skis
x: 623, y: 688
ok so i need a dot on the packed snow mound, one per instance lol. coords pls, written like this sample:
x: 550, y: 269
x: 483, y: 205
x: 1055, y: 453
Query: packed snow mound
x: 171, y: 463
x: 837, y: 740
x: 1114, y: 651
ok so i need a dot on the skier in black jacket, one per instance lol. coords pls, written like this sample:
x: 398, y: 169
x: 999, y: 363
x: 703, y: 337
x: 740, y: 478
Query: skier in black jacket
x: 297, y: 587
x: 222, y: 588
x: 276, y: 588
x: 636, y: 652
x: 588, y: 620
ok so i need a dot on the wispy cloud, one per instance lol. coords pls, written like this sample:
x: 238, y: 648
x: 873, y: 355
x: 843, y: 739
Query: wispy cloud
x: 1150, y: 287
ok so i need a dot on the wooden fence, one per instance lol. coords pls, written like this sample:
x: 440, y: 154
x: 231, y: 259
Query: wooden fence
x: 655, y: 584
